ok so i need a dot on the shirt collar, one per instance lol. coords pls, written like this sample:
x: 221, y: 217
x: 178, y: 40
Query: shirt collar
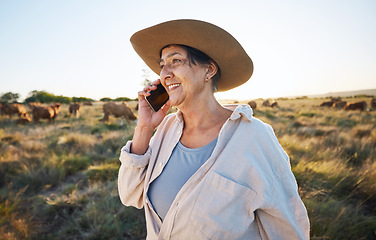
x: 244, y: 111
x: 179, y: 116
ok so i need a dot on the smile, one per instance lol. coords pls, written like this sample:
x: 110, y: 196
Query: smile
x: 172, y: 86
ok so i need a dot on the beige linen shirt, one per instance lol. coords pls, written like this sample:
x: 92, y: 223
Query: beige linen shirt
x: 245, y: 190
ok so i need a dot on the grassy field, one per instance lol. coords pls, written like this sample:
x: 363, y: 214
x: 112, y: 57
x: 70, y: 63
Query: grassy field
x: 59, y: 180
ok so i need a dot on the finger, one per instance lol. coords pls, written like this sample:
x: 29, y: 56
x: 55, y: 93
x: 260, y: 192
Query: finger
x: 156, y: 82
x: 166, y: 107
x: 150, y: 88
x: 142, y: 95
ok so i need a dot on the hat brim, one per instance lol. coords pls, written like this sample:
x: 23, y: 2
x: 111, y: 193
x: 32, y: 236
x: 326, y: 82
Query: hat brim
x: 235, y: 65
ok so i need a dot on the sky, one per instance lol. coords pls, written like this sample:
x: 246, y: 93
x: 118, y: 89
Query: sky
x: 81, y: 48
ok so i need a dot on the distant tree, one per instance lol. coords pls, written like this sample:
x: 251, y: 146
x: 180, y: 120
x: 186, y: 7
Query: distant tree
x: 82, y: 99
x: 63, y: 99
x: 106, y: 99
x: 39, y: 96
x: 302, y: 97
x: 45, y: 97
x: 9, y: 97
x: 122, y: 99
x: 362, y: 96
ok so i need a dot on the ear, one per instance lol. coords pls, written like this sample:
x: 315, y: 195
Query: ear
x: 211, y: 70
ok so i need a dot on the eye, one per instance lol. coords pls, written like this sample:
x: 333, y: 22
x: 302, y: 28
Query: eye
x: 161, y: 66
x: 176, y: 61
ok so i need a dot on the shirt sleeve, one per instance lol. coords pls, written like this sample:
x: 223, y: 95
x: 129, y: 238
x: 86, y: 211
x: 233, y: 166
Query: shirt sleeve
x: 286, y: 217
x: 132, y: 176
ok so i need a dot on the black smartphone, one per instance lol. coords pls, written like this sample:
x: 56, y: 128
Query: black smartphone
x: 157, y: 98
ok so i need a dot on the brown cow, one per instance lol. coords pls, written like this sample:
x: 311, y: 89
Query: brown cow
x: 340, y: 104
x: 13, y: 108
x: 331, y: 102
x: 56, y: 107
x: 88, y: 104
x: 49, y: 112
x: 327, y: 104
x: 274, y: 104
x: 266, y: 103
x: 118, y: 110
x: 373, y: 103
x: 252, y: 104
x: 74, y: 109
x: 24, y: 119
x: 362, y: 106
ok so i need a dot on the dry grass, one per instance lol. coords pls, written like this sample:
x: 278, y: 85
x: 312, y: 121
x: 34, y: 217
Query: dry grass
x: 58, y: 181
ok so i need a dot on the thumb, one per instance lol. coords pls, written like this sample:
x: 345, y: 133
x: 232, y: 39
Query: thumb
x: 166, y: 107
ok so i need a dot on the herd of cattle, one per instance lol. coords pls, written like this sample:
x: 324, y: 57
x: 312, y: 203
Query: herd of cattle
x: 265, y: 103
x: 340, y: 104
x: 37, y: 111
x: 334, y: 103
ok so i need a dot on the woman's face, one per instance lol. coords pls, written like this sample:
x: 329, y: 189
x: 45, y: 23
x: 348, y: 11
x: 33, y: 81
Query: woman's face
x: 184, y: 81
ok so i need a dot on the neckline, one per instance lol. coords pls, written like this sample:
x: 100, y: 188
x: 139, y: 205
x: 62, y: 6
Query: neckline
x: 184, y: 148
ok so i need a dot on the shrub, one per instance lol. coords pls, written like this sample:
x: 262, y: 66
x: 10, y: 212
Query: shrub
x: 308, y: 114
x: 12, y: 224
x: 76, y: 143
x: 103, y: 173
x: 346, y: 123
x: 356, y: 153
x: 334, y: 219
x: 72, y: 165
x: 38, y: 178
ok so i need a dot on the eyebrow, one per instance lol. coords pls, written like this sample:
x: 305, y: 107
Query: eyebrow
x: 168, y: 56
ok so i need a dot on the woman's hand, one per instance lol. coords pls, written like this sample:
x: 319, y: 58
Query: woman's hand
x: 146, y: 115
x: 148, y: 120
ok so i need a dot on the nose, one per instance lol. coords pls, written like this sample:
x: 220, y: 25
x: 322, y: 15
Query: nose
x: 166, y: 73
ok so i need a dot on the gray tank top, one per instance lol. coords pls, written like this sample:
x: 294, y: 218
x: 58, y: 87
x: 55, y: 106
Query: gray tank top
x: 183, y: 163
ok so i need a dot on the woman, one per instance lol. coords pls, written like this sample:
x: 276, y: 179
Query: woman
x: 209, y: 172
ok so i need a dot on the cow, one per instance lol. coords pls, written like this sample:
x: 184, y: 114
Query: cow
x: 43, y: 112
x: 88, y: 104
x: 252, y: 104
x: 362, y: 106
x: 266, y: 103
x: 24, y: 119
x: 74, y: 109
x: 56, y: 107
x: 331, y: 102
x: 13, y: 108
x: 274, y: 104
x: 340, y: 104
x: 373, y: 103
x: 118, y: 110
x: 327, y: 104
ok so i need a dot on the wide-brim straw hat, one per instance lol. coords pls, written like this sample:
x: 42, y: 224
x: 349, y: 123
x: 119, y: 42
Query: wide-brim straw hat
x: 235, y: 65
